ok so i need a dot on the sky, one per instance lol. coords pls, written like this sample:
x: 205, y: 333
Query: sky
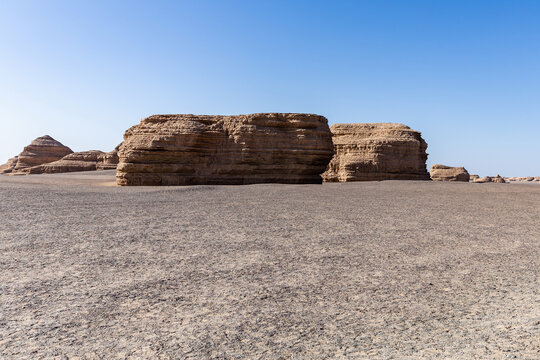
x: 464, y: 73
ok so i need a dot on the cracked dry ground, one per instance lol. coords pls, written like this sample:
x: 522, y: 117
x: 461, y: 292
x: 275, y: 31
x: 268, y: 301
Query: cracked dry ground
x: 373, y: 270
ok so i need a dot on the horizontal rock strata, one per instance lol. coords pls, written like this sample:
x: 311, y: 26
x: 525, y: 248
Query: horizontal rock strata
x: 376, y: 151
x: 241, y: 149
x: 42, y: 150
x: 77, y: 161
x: 447, y: 173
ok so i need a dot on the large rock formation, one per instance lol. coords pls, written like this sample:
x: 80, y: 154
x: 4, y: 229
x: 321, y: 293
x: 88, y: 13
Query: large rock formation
x: 447, y: 173
x: 77, y: 161
x: 9, y: 166
x: 42, y: 150
x: 109, y: 161
x: 377, y: 151
x: 242, y: 149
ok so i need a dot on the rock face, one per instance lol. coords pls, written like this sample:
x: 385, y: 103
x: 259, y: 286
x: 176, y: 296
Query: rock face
x: 473, y: 177
x: 9, y: 166
x: 447, y: 173
x: 241, y: 149
x: 42, y: 150
x: 377, y: 151
x: 77, y: 161
x: 109, y: 161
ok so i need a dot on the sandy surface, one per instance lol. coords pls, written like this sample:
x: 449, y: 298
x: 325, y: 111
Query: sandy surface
x: 374, y: 270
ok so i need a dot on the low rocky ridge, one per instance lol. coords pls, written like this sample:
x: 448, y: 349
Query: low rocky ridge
x: 109, y: 161
x: 447, y: 173
x: 488, y: 179
x: 77, y: 161
x: 523, y: 179
x: 242, y: 149
x: 8, y: 166
x: 376, y: 151
x: 42, y: 150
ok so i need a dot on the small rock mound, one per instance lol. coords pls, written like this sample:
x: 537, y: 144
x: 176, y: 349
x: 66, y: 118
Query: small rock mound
x: 42, y: 150
x: 77, y: 161
x: 447, y: 173
x: 376, y: 151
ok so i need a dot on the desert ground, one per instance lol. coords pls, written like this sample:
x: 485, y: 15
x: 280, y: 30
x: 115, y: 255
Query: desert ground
x: 366, y: 270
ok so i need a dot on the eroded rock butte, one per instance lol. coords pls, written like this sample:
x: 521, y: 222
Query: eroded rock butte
x: 376, y: 151
x: 214, y: 149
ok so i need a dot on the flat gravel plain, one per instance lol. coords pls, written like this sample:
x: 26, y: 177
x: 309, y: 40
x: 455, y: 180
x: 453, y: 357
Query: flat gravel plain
x: 371, y: 270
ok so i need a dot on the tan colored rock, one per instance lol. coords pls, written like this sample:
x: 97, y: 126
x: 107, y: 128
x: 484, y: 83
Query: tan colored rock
x: 447, y: 173
x: 109, y: 161
x: 42, y: 150
x: 376, y: 151
x: 498, y: 179
x: 77, y: 161
x: 241, y: 149
x: 8, y: 166
x: 473, y: 177
x: 492, y: 179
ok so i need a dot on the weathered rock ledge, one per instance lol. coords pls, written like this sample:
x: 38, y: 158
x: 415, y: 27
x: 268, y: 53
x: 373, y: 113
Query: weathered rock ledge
x: 77, y: 161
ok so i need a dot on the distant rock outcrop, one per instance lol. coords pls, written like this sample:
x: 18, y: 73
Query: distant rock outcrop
x: 447, y: 173
x: 473, y: 177
x: 241, y: 149
x: 376, y: 151
x: 77, y: 161
x: 42, y: 150
x: 8, y: 166
x: 492, y: 179
x: 109, y: 161
x: 523, y: 179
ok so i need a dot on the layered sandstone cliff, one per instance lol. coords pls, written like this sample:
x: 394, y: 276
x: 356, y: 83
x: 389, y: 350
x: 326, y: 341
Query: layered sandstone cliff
x: 42, y: 150
x: 241, y: 149
x: 447, y: 173
x: 77, y: 161
x: 376, y: 151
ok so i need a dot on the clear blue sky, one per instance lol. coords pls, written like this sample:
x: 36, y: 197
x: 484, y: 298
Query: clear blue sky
x: 465, y: 73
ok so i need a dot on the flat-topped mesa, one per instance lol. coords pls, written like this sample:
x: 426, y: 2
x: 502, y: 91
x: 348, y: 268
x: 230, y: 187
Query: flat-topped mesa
x: 42, y: 150
x: 215, y: 149
x: 77, y: 161
x: 447, y: 173
x: 8, y: 166
x: 376, y: 151
x: 109, y: 161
